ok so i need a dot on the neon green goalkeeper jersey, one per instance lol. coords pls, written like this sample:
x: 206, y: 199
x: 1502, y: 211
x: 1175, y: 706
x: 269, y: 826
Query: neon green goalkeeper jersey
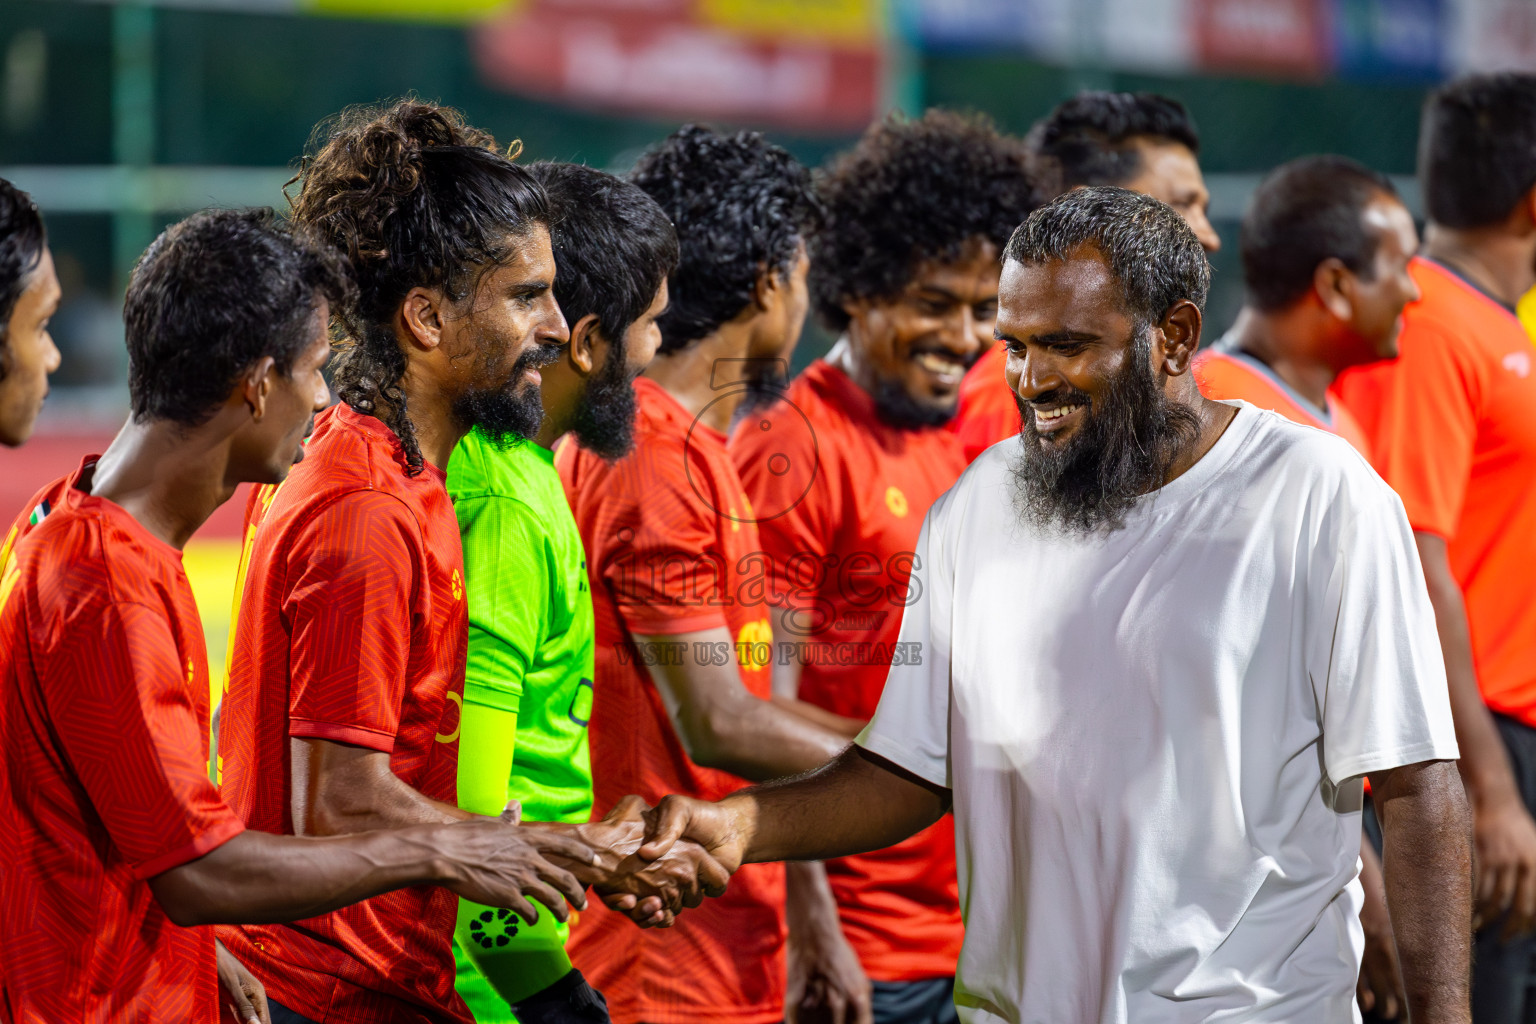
x: 527, y: 692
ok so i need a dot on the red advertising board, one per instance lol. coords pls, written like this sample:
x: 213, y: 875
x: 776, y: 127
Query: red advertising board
x: 667, y: 58
x: 1289, y: 37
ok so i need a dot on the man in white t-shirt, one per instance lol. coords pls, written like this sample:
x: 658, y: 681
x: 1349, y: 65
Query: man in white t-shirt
x: 1151, y: 648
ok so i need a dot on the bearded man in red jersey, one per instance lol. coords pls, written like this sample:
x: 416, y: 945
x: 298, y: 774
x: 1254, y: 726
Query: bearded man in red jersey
x: 682, y: 688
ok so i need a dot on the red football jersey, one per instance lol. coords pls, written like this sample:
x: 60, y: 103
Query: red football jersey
x: 840, y: 498
x: 668, y: 536
x: 987, y: 412
x: 1226, y: 376
x: 351, y: 627
x: 1452, y: 423
x: 104, y: 723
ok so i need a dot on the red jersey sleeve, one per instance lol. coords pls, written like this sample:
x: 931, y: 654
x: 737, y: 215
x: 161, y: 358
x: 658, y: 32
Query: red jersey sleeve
x: 786, y: 476
x: 665, y: 566
x: 355, y: 571
x: 1427, y: 427
x: 128, y: 725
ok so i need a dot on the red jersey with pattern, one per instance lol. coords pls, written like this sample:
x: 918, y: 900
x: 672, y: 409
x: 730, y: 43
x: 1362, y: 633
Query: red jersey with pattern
x: 840, y: 497
x: 351, y: 627
x: 1452, y: 423
x: 987, y: 412
x: 1237, y: 376
x: 104, y: 723
x: 670, y: 546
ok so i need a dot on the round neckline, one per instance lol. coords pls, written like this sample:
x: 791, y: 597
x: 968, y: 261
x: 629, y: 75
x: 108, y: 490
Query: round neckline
x: 1207, y: 467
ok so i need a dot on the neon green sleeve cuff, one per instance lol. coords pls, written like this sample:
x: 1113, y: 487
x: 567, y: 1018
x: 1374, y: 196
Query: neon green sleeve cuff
x: 514, y: 960
x: 487, y: 742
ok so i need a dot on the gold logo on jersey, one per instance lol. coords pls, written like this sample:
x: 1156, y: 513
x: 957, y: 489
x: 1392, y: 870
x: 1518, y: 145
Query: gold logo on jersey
x: 458, y: 721
x: 457, y: 583
x: 8, y: 584
x: 754, y: 644
x: 896, y: 502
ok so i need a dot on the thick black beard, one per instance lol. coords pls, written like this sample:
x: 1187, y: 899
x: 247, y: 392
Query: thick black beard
x: 505, y: 414
x: 899, y: 409
x: 1122, y: 451
x: 604, y: 423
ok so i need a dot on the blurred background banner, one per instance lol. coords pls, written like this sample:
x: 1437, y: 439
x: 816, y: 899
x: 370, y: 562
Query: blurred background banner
x: 804, y: 64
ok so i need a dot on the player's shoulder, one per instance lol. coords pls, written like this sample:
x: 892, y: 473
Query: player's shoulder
x: 1453, y: 315
x: 480, y: 468
x: 351, y: 465
x: 107, y: 555
x: 1303, y: 457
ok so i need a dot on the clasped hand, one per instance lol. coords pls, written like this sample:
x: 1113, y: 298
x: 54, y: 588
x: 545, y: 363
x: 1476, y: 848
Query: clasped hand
x: 650, y: 892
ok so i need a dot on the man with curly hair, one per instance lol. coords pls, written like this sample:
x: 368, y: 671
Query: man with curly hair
x: 905, y: 266
x: 683, y: 637
x: 1136, y: 140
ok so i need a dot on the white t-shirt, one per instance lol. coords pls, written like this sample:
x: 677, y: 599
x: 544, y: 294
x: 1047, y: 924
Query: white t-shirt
x: 1155, y: 738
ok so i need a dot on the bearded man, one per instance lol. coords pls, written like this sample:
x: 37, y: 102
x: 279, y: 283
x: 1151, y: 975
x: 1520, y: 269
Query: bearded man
x: 1162, y: 640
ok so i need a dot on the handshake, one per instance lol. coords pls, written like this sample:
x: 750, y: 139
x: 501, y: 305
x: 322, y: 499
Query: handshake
x: 636, y: 858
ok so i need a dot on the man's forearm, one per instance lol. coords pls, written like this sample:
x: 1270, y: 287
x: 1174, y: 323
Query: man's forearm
x: 339, y: 789
x: 256, y: 877
x: 1427, y: 862
x: 859, y: 802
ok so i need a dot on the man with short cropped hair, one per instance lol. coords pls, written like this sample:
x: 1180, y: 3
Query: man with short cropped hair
x: 1163, y: 639
x: 1452, y: 427
x: 528, y: 689
x: 841, y: 473
x: 1326, y: 244
x: 1136, y: 140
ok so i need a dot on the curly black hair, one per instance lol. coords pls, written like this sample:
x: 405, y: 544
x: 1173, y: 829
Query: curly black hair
x: 415, y: 198
x: 22, y: 241
x: 740, y: 204
x: 214, y: 294
x: 913, y: 190
x: 1090, y: 138
x: 613, y: 245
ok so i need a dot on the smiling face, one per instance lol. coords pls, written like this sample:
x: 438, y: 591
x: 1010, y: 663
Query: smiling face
x: 1102, y: 397
x: 911, y: 351
x: 499, y: 337
x: 1376, y: 306
x: 1170, y: 172
x: 29, y: 353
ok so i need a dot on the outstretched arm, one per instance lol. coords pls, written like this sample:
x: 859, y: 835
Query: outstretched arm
x: 256, y: 877
x: 1427, y: 861
x: 858, y: 802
